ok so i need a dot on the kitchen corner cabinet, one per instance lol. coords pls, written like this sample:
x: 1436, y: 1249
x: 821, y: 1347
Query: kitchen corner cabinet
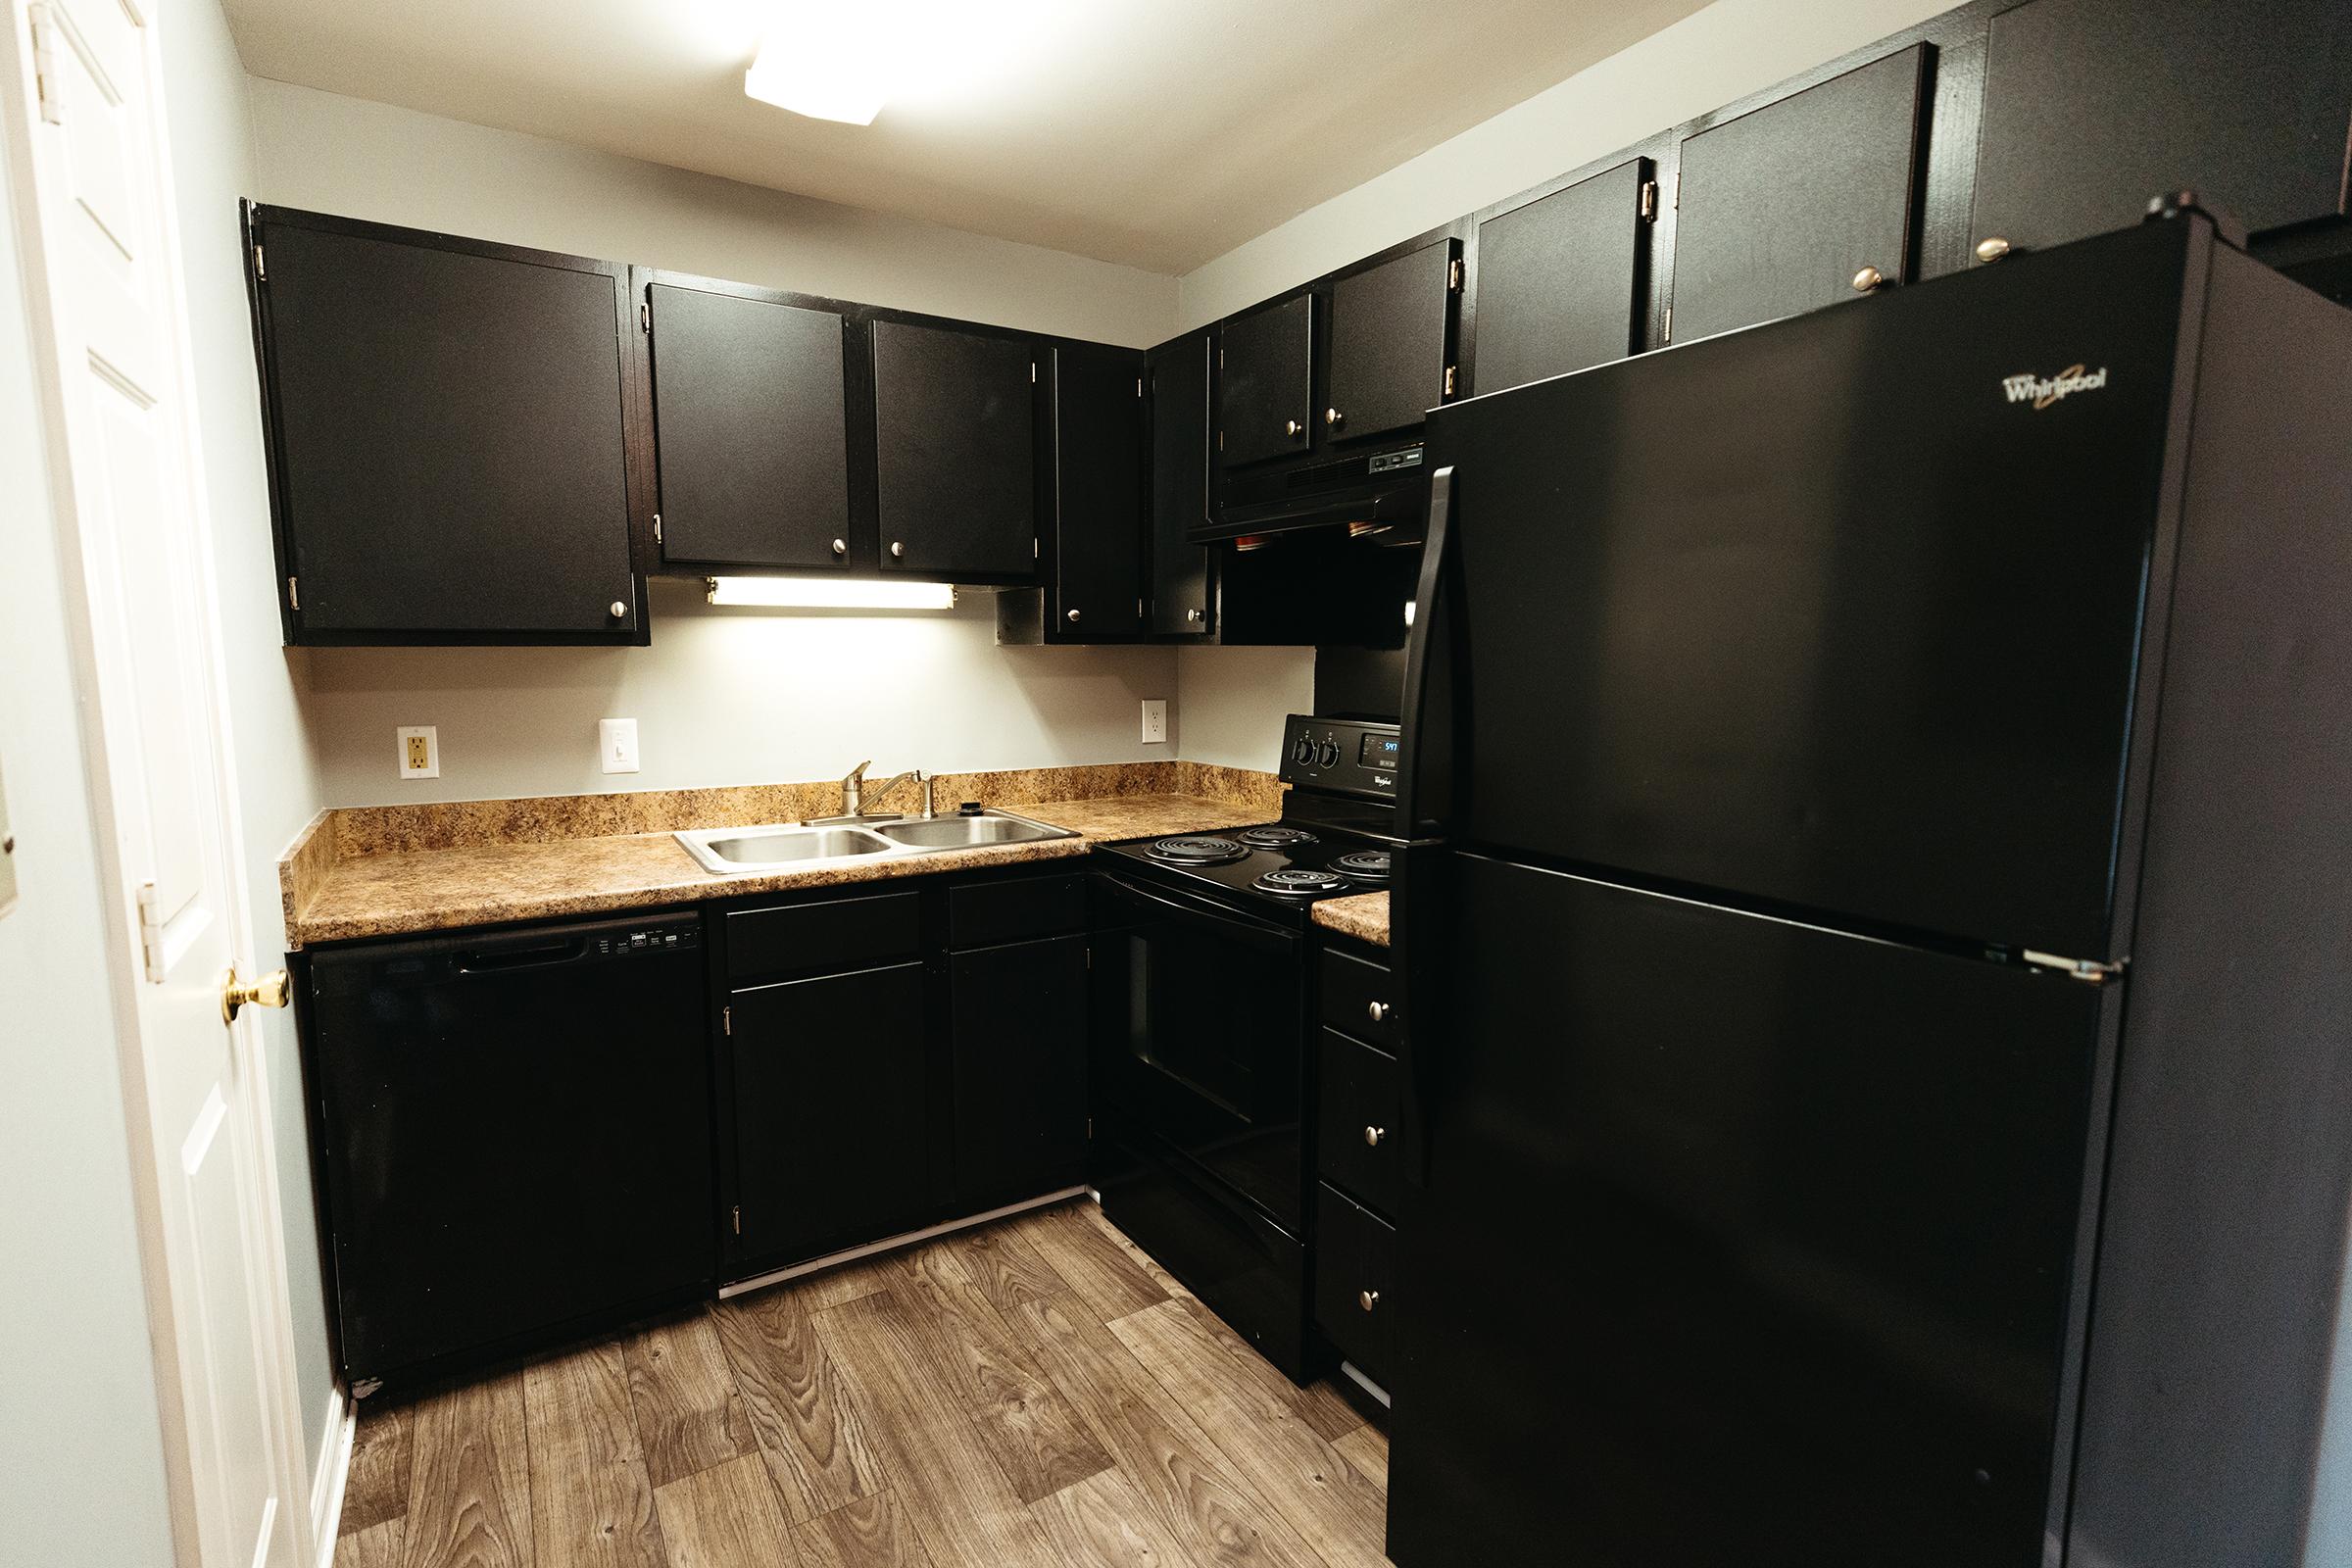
x: 750, y: 430
x: 1560, y: 280
x: 1097, y: 564
x: 1266, y: 382
x: 955, y: 427
x: 449, y: 436
x: 1178, y: 381
x: 1779, y: 209
x: 2091, y: 107
x: 1392, y: 343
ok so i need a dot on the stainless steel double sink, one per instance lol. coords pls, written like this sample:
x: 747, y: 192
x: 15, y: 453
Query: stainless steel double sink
x: 737, y: 851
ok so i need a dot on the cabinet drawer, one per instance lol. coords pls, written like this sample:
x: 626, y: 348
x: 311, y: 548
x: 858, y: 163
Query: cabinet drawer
x: 1021, y: 909
x: 1359, y: 997
x: 836, y: 934
x: 1355, y: 1119
x: 1355, y: 1253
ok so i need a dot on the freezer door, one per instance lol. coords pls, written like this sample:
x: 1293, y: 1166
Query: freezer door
x: 1838, y: 613
x: 1745, y: 1243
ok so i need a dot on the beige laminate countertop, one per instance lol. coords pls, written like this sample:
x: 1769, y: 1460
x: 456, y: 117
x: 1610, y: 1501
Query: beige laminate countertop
x: 402, y: 891
x: 1363, y: 916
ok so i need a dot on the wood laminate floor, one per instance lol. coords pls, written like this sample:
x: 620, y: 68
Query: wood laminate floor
x: 1034, y: 1393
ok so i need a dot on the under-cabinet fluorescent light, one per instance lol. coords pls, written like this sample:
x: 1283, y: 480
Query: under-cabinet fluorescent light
x: 829, y: 593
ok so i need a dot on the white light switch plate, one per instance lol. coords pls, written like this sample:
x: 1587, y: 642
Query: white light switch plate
x: 1155, y: 720
x: 420, y: 751
x: 616, y: 744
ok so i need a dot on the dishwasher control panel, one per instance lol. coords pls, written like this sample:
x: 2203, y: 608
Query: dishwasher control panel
x: 662, y: 936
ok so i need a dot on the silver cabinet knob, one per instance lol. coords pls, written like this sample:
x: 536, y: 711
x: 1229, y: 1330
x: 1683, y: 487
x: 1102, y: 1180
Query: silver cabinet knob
x: 1991, y: 250
x: 1072, y: 618
x: 1291, y: 427
x: 1373, y: 1136
x: 897, y: 551
x: 1331, y: 417
x: 841, y: 547
x: 618, y: 609
x: 1868, y: 280
x: 1379, y: 1011
x: 1367, y: 1300
x: 1196, y: 617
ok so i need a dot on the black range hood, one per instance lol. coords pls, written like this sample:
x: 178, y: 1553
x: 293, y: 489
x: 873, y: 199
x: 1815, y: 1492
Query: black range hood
x: 1384, y: 487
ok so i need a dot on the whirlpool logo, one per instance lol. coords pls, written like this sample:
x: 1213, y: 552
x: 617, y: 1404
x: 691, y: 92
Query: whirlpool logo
x: 2041, y: 393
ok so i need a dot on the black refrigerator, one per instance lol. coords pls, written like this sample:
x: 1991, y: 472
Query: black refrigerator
x: 1880, y: 798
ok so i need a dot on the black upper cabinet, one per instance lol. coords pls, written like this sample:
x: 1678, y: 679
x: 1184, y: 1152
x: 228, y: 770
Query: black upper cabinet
x: 1097, y: 492
x: 1779, y: 209
x: 2091, y: 107
x: 1266, y: 392
x: 750, y: 430
x: 1560, y: 280
x: 1392, y: 342
x: 1178, y: 379
x: 1018, y: 1026
x: 448, y: 434
x: 956, y: 426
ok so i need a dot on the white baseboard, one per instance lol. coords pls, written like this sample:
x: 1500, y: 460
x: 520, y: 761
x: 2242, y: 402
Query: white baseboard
x: 334, y: 1469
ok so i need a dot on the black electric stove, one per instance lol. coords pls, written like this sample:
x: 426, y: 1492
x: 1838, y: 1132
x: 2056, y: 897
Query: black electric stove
x: 1333, y: 839
x: 1203, y: 985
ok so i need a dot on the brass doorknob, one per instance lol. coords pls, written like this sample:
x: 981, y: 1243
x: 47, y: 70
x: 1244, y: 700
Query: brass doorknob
x: 1373, y: 1135
x: 1331, y: 417
x: 1291, y: 427
x: 1377, y: 1012
x: 841, y: 547
x: 1073, y: 617
x: 618, y: 609
x: 1868, y: 280
x: 1367, y: 1300
x: 1991, y: 250
x: 270, y: 991
x: 1196, y: 617
x: 897, y: 551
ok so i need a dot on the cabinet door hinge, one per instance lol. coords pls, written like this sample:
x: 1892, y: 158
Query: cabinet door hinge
x: 1668, y: 335
x: 726, y: 1020
x: 1648, y: 210
x: 2090, y: 970
x: 151, y: 934
x: 1450, y: 371
x: 657, y: 527
x: 1139, y: 610
x: 260, y: 264
x: 1454, y: 275
x: 1221, y: 440
x: 1033, y: 372
x: 44, y: 66
x: 739, y: 1219
x: 293, y: 593
x: 1678, y: 190
x: 1089, y: 1129
x: 1035, y: 547
x: 645, y: 317
x: 1139, y: 386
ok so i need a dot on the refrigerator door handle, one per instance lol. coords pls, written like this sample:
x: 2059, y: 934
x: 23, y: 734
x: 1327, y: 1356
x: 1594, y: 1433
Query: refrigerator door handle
x: 1419, y: 888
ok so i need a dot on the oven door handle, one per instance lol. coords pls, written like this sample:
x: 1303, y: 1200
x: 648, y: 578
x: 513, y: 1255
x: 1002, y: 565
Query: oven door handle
x: 1233, y: 928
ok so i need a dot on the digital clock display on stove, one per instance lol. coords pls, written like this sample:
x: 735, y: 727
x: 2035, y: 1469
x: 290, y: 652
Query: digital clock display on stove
x: 1379, y: 751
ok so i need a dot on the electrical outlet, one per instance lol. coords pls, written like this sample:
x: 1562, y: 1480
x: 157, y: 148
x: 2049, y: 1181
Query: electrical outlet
x: 616, y: 744
x: 1155, y: 720
x: 420, y: 751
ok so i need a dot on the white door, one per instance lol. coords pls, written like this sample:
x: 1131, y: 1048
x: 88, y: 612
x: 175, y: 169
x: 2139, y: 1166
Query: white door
x: 87, y: 129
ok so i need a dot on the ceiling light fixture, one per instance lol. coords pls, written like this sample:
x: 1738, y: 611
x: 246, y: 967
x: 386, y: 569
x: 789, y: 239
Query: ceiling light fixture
x: 843, y: 60
x: 820, y: 70
x: 828, y: 593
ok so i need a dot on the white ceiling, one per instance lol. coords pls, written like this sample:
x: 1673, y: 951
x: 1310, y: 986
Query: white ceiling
x: 1158, y: 133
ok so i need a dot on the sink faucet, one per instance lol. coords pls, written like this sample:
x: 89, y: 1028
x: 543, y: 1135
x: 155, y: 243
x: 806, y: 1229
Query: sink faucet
x: 855, y: 790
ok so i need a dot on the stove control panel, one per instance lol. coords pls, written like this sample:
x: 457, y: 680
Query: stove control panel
x: 1350, y: 755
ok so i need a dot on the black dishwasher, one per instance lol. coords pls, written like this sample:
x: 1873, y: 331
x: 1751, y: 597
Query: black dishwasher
x: 513, y: 1132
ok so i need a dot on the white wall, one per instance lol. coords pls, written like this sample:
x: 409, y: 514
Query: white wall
x: 81, y: 1456
x: 277, y: 780
x: 1235, y: 699
x: 1730, y: 49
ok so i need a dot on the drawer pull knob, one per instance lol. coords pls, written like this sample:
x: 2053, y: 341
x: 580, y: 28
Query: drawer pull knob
x: 1373, y: 1135
x: 841, y: 547
x: 1379, y: 1011
x: 1367, y: 1300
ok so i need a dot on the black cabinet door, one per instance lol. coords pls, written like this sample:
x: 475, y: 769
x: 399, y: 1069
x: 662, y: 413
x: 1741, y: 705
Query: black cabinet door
x: 1355, y: 1262
x: 1391, y: 341
x: 2091, y: 107
x: 1097, y: 492
x: 1179, y: 384
x: 449, y: 436
x: 1019, y: 1029
x: 1781, y: 208
x: 749, y: 429
x: 1558, y: 281
x: 954, y: 427
x: 1265, y: 384
x: 830, y: 1110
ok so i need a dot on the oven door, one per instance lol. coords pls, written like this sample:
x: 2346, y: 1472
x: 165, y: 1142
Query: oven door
x: 1200, y: 1024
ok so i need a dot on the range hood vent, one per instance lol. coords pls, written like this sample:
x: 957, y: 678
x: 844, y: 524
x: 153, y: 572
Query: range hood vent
x: 1387, y: 488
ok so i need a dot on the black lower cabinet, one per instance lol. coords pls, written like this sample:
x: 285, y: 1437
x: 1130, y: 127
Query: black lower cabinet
x: 1356, y: 1252
x: 830, y: 1110
x: 1018, y: 1023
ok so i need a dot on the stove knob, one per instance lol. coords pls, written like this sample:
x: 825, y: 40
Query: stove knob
x: 1331, y: 755
x: 1303, y: 753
